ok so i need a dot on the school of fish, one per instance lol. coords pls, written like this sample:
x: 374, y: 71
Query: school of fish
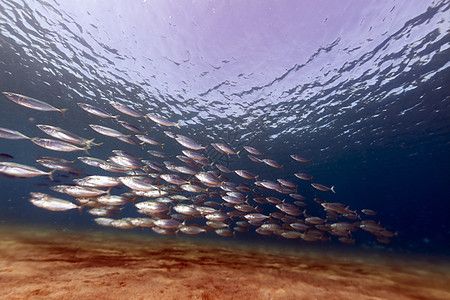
x: 191, y: 194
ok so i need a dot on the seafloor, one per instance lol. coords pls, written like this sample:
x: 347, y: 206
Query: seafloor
x: 43, y: 263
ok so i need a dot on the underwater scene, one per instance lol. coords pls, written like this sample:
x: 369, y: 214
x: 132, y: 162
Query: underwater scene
x: 224, y: 149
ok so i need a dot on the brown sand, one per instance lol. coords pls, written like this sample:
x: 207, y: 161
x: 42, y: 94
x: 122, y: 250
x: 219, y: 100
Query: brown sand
x: 47, y: 264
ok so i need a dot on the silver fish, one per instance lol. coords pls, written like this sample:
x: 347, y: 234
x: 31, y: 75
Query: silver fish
x: 128, y: 140
x: 6, y: 133
x: 106, y: 131
x: 256, y: 217
x: 123, y: 108
x: 124, y: 223
x: 130, y: 127
x: 173, y: 179
x: 148, y: 140
x: 157, y: 154
x: 208, y: 179
x: 191, y: 229
x: 162, y: 121
x: 299, y: 158
x: 139, y: 183
x: 78, y: 191
x: 112, y: 167
x: 322, y: 187
x: 131, y: 163
x: 246, y: 174
x: 32, y: 103
x: 151, y: 207
x: 91, y: 161
x: 113, y: 200
x: 272, y: 163
x: 167, y: 223
x: 96, y: 111
x: 65, y: 135
x: 252, y: 150
x: 186, y: 209
x: 188, y: 143
x: 18, y: 170
x: 51, y: 203
x: 98, y: 181
x: 225, y: 148
x: 103, y: 221
x: 56, y: 163
x: 56, y: 145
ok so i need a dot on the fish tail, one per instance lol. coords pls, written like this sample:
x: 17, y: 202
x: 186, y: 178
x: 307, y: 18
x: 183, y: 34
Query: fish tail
x: 178, y: 125
x: 332, y: 189
x: 50, y: 174
x: 116, y: 117
x: 88, y: 143
x: 80, y: 209
x: 85, y: 149
x: 147, y: 118
x: 63, y: 111
x: 162, y: 146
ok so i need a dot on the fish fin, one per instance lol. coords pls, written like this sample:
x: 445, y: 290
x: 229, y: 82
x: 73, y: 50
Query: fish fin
x: 63, y: 111
x: 332, y: 189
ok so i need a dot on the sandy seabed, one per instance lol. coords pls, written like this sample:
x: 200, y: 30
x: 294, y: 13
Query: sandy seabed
x: 41, y: 263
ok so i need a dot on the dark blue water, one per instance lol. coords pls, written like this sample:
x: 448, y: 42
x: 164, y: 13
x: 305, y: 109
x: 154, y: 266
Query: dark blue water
x: 360, y: 88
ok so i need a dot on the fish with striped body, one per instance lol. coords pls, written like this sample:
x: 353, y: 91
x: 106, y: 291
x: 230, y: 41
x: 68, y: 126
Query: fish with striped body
x: 57, y: 145
x: 32, y: 103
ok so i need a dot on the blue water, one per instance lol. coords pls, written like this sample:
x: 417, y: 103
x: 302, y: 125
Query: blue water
x: 360, y: 88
